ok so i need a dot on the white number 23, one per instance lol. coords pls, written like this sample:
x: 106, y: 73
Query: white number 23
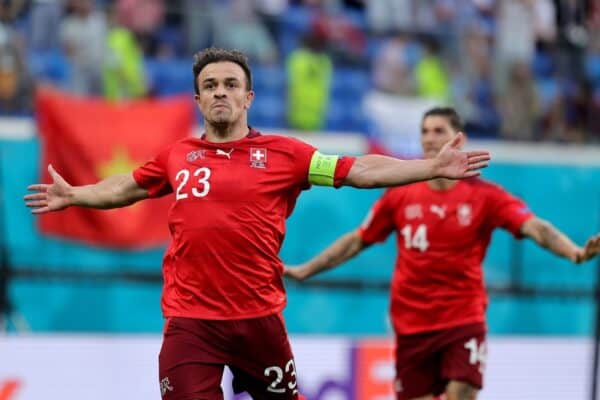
x: 200, y: 190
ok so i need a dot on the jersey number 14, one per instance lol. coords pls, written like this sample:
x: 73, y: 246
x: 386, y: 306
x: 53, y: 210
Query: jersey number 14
x: 416, y: 239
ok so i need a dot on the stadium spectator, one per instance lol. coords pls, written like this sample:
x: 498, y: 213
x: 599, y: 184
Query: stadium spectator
x: 83, y: 38
x: 344, y: 40
x: 143, y: 18
x: 431, y: 77
x: 520, y: 106
x: 45, y: 17
x: 309, y: 70
x: 438, y: 297
x: 391, y: 71
x: 240, y: 28
x: 234, y: 187
x: 16, y: 86
x: 123, y: 71
x: 386, y: 16
x: 573, y: 37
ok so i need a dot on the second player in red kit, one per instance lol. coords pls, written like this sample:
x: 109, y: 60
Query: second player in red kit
x: 438, y: 300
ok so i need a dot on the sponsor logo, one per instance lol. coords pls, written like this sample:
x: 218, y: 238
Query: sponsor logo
x: 195, y: 155
x: 165, y: 386
x: 413, y: 211
x: 440, y: 211
x: 221, y: 152
x: 258, y: 157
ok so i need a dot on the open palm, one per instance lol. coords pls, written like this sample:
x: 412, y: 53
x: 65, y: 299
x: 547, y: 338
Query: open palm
x: 49, y: 197
x: 456, y: 164
x: 590, y: 250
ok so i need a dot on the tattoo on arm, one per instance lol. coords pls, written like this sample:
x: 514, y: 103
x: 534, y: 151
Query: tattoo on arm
x: 549, y: 235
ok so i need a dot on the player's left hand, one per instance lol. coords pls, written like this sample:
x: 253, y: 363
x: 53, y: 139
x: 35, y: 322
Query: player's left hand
x: 590, y: 250
x: 453, y: 163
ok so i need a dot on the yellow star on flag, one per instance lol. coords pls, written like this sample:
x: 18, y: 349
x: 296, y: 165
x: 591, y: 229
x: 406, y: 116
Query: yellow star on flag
x: 120, y: 163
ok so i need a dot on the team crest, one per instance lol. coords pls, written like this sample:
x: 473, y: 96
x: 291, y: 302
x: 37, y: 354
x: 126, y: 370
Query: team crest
x: 258, y: 157
x: 195, y: 155
x: 413, y: 211
x: 464, y: 213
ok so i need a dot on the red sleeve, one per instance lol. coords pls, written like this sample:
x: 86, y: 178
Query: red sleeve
x: 303, y: 153
x: 342, y: 169
x: 507, y: 211
x: 153, y: 176
x: 379, y: 222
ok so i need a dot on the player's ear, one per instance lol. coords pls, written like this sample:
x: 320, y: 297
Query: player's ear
x: 249, y: 99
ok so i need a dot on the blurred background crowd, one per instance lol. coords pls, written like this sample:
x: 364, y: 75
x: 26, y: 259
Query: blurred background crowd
x: 515, y: 69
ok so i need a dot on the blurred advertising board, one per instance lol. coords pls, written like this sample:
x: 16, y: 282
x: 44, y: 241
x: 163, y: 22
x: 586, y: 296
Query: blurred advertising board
x: 87, y: 367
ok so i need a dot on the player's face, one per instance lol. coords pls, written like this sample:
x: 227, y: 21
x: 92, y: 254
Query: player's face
x: 435, y: 132
x: 223, y: 97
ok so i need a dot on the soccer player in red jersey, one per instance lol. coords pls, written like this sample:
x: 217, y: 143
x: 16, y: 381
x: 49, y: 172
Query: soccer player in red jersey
x: 233, y: 189
x: 438, y: 298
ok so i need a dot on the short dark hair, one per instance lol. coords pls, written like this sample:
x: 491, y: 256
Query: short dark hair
x: 447, y: 112
x: 214, y: 55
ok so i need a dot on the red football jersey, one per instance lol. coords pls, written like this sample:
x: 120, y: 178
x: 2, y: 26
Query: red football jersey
x: 227, y: 221
x: 442, y: 238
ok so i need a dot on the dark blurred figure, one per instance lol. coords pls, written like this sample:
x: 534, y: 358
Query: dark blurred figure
x: 519, y: 104
x: 12, y: 10
x: 16, y: 89
x: 344, y: 40
x: 573, y: 36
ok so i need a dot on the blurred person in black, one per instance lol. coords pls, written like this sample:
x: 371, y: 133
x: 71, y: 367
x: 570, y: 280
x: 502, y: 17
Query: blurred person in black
x: 16, y: 88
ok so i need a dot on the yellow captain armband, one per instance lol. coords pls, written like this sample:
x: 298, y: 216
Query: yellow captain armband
x: 322, y: 169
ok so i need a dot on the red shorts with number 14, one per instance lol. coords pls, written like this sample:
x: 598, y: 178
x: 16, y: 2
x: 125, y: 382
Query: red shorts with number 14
x: 257, y: 351
x: 426, y: 362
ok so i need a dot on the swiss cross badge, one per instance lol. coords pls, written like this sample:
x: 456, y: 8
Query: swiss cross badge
x: 258, y: 157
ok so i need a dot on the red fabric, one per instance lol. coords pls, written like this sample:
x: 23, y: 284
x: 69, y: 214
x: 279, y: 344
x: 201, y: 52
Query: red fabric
x: 227, y: 222
x: 442, y: 237
x: 82, y: 138
x: 426, y: 362
x: 342, y: 169
x: 194, y: 351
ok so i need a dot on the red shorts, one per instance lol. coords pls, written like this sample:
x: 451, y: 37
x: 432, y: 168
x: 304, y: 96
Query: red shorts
x: 426, y: 362
x: 257, y: 351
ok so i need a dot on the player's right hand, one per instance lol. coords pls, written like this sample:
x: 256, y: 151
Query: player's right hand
x: 49, y: 197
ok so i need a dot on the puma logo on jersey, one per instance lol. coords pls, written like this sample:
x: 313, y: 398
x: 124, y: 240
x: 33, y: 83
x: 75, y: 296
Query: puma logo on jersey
x: 440, y: 211
x: 227, y: 154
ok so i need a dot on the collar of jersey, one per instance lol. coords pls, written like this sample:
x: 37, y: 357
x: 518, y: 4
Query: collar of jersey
x: 252, y: 133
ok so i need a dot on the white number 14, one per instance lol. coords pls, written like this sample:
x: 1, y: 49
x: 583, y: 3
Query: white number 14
x: 418, y: 240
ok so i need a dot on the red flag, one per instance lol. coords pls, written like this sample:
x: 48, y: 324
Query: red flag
x: 87, y: 140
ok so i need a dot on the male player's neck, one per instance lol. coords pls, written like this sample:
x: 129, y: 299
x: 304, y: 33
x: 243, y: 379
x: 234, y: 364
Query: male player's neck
x: 226, y: 132
x: 441, y: 183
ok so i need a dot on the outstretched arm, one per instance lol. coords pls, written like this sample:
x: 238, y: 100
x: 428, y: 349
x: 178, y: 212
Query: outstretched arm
x: 380, y: 171
x: 112, y: 192
x: 341, y: 250
x: 549, y: 237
